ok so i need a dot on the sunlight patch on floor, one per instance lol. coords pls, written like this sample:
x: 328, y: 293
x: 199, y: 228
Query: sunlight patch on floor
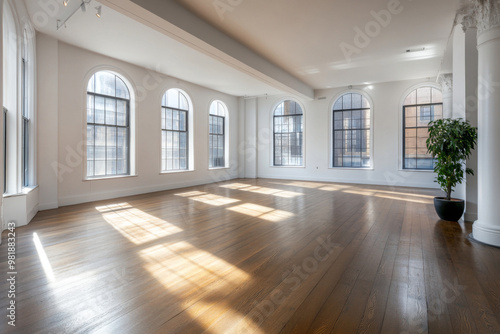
x: 44, y: 260
x: 208, y: 198
x: 226, y: 320
x: 304, y: 184
x: 262, y: 190
x: 424, y: 199
x: 333, y: 187
x: 184, y: 269
x: 136, y: 225
x: 262, y: 212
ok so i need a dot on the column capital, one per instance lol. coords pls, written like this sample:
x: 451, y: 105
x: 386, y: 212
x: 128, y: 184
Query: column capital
x: 481, y: 14
x: 446, y: 82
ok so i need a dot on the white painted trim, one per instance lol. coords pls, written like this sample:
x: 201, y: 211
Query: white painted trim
x: 92, y: 197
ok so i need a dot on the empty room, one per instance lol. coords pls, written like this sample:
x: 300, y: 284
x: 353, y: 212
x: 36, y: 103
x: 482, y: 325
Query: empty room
x: 250, y: 166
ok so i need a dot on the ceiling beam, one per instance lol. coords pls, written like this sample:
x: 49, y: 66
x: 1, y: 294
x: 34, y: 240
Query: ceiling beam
x: 175, y: 21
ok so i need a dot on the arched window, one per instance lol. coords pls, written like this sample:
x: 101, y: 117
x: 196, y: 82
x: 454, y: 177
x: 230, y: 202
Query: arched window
x: 25, y: 108
x: 108, y: 126
x: 352, y: 131
x: 421, y: 106
x: 288, y: 125
x: 217, y: 135
x: 174, y: 120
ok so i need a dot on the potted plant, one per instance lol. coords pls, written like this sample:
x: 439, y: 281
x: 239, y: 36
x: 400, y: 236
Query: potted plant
x: 450, y: 142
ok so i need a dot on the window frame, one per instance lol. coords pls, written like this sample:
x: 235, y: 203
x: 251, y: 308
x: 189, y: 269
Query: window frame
x: 187, y: 131
x: 128, y: 126
x: 332, y: 129
x: 211, y: 164
x: 5, y: 136
x: 273, y: 134
x: 26, y: 127
x: 416, y: 127
x: 219, y: 105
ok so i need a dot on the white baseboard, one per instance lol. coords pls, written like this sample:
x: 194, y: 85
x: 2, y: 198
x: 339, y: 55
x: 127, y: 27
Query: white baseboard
x: 77, y: 199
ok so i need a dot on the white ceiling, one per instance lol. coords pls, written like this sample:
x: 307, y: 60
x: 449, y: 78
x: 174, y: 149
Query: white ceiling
x: 303, y: 38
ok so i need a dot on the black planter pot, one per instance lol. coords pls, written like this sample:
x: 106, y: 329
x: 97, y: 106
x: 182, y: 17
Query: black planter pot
x: 449, y: 210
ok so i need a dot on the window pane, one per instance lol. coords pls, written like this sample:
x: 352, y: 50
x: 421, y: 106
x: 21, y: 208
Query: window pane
x: 91, y: 85
x: 105, y: 83
x: 99, y: 110
x: 338, y: 120
x: 168, y: 125
x: 411, y: 99
x: 437, y: 96
x: 289, y: 108
x: 121, y: 89
x: 213, y: 108
x: 356, y: 101
x: 183, y: 103
x: 175, y: 119
x: 182, y: 121
x: 121, y: 115
x: 173, y: 98
x: 347, y: 101
x: 424, y: 95
x: 90, y: 108
x: 338, y: 104
x: 366, y: 104
x: 111, y: 111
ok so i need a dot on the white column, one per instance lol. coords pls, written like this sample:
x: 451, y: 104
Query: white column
x: 446, y: 81
x: 250, y: 146
x: 471, y: 74
x: 487, y: 228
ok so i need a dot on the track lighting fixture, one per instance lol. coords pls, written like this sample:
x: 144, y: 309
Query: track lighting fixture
x: 82, y: 6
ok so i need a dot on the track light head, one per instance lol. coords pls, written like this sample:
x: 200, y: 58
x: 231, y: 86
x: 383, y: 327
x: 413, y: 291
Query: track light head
x: 98, y: 13
x: 65, y: 3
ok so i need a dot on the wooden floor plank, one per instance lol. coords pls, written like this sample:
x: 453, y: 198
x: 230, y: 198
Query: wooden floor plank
x: 254, y: 256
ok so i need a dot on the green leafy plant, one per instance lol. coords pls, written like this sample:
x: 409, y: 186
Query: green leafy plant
x: 450, y: 142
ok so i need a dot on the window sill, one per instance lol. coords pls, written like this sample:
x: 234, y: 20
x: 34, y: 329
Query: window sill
x: 218, y: 168
x: 352, y: 168
x: 25, y: 191
x: 109, y: 177
x: 417, y: 170
x: 287, y: 166
x: 176, y: 171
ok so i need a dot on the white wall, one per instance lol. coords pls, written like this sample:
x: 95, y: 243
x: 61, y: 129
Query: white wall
x: 1, y: 118
x: 75, y: 66
x: 47, y: 59
x: 387, y: 101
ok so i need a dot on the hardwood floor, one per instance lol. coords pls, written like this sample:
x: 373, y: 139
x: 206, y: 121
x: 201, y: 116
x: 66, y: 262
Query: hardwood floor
x: 253, y: 256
